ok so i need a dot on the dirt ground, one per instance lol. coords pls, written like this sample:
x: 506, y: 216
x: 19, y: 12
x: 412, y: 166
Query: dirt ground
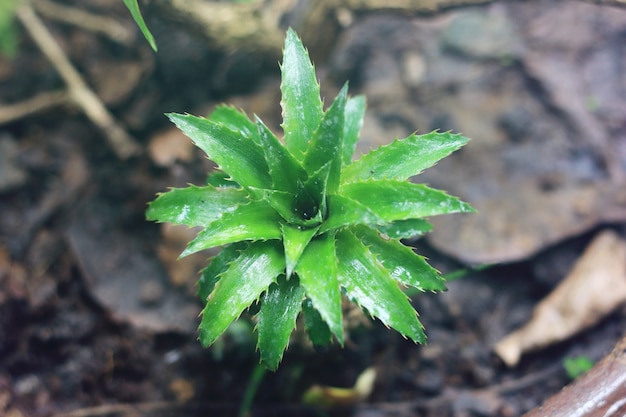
x: 98, y: 318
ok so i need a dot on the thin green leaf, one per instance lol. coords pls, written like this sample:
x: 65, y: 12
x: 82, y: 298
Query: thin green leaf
x: 301, y: 103
x: 404, y: 265
x: 316, y: 327
x: 307, y: 204
x: 355, y: 112
x: 240, y: 285
x: 280, y: 307
x: 317, y: 270
x: 219, y: 264
x: 295, y: 240
x: 133, y: 7
x: 8, y: 30
x: 326, y: 145
x: 195, y: 206
x: 313, y: 191
x: 235, y: 120
x: 343, y: 211
x: 219, y: 179
x: 284, y: 169
x: 373, y: 288
x: 398, y: 200
x: 254, y: 221
x: 404, y: 229
x: 235, y: 154
x: 282, y: 201
x: 404, y: 158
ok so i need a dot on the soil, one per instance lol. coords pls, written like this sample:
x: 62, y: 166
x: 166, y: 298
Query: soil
x: 97, y: 319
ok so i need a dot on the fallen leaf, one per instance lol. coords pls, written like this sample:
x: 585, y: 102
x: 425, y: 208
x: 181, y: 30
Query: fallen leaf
x: 169, y: 146
x: 328, y: 397
x: 594, y: 288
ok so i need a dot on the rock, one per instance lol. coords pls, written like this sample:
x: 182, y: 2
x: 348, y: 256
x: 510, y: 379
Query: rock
x: 12, y: 176
x: 547, y: 160
x: 482, y: 34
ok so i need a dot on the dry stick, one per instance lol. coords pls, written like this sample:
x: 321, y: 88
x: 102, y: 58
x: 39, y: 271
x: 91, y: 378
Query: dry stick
x: 122, y: 143
x: 105, y: 26
x: 39, y: 103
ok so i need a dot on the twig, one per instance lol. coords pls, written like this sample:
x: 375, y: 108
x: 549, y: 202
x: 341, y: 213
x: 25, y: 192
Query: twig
x: 122, y: 143
x: 110, y: 28
x: 39, y: 103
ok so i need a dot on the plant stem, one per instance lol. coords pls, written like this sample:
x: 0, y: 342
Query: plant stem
x: 253, y: 385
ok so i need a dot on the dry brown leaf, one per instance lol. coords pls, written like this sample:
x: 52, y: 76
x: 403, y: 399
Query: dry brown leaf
x: 182, y: 272
x: 594, y: 288
x: 169, y: 146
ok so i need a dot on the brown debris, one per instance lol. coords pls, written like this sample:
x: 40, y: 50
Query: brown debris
x: 595, y: 287
x: 601, y: 392
x: 122, y: 143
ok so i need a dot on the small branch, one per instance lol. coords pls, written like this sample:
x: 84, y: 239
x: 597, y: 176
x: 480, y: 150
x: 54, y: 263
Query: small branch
x: 39, y: 103
x: 86, y: 21
x: 122, y: 143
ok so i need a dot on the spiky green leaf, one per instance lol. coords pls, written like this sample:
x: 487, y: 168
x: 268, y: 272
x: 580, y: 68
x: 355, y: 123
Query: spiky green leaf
x: 236, y: 154
x: 315, y: 326
x: 284, y: 169
x: 195, y: 206
x: 219, y: 264
x: 370, y: 285
x: 295, y: 240
x: 317, y: 270
x: 343, y: 211
x: 399, y: 200
x: 326, y: 146
x: 236, y: 120
x: 281, y: 304
x: 301, y: 103
x: 355, y: 112
x: 403, y: 229
x: 240, y: 285
x: 404, y: 158
x: 254, y: 221
x: 314, y: 189
x: 219, y: 179
x: 404, y: 265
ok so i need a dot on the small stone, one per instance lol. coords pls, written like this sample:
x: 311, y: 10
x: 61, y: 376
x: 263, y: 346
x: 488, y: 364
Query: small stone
x: 481, y: 35
x: 151, y: 293
x: 413, y: 68
x: 12, y: 176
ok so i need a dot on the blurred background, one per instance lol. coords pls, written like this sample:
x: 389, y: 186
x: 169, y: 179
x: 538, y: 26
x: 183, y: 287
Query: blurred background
x: 95, y: 310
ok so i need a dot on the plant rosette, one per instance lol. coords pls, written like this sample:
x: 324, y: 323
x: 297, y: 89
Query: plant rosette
x: 300, y: 223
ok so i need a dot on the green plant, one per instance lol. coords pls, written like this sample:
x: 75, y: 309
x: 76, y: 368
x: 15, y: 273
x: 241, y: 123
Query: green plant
x: 133, y: 8
x: 8, y: 32
x: 301, y: 223
x: 577, y: 365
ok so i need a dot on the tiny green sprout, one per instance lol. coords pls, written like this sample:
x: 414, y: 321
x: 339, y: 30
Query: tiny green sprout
x: 577, y: 365
x: 300, y: 223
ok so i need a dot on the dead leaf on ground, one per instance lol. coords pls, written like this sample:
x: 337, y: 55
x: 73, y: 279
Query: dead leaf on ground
x: 168, y: 146
x: 183, y: 272
x: 595, y: 287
